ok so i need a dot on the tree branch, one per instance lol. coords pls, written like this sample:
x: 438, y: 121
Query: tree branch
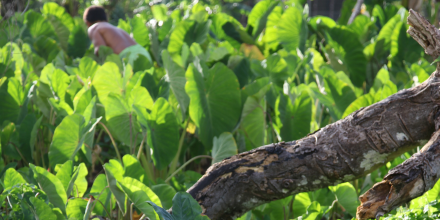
x: 343, y: 151
x: 405, y: 182
x: 356, y: 11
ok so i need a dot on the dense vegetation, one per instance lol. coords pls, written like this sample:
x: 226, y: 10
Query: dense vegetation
x: 85, y: 136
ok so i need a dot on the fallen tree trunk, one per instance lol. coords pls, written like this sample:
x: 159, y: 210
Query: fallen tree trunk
x: 340, y: 152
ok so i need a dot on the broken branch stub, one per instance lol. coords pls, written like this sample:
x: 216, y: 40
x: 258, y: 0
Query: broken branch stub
x: 340, y: 152
x: 403, y: 183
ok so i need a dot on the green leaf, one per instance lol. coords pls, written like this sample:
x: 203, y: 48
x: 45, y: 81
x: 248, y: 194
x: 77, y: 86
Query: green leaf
x: 58, y: 11
x: 61, y: 31
x: 224, y: 146
x: 120, y: 119
x: 292, y: 30
x: 161, y: 212
x: 68, y: 138
x: 12, y: 178
x: 139, y: 194
x: 76, y: 209
x: 114, y: 172
x: 176, y: 76
x: 188, y: 32
x: 107, y: 79
x: 78, y: 42
x: 215, y: 104
x: 360, y: 102
x: 294, y: 117
x: 165, y: 193
x: 52, y: 186
x: 301, y: 203
x: 185, y: 207
x: 271, y: 33
x: 38, y: 26
x: 80, y: 183
x: 140, y: 31
x: 314, y: 211
x: 59, y: 82
x: 132, y: 168
x: 12, y: 97
x: 319, y: 23
x: 25, y: 135
x: 42, y: 209
x: 162, y: 134
x: 100, y: 189
x: 346, y: 196
x: 64, y: 174
x: 87, y: 68
x: 258, y: 17
x: 349, y: 56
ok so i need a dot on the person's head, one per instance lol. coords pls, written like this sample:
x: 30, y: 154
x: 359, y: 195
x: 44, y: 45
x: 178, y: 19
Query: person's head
x: 94, y: 14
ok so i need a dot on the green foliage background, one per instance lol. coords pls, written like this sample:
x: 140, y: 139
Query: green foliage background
x: 101, y: 135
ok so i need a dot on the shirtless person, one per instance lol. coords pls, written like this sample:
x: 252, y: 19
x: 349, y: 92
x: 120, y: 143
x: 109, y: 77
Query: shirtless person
x: 103, y: 33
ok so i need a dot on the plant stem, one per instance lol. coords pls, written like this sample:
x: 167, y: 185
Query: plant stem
x: 19, y: 152
x: 144, y: 163
x: 176, y: 158
x: 185, y: 164
x: 113, y: 141
x: 140, y: 147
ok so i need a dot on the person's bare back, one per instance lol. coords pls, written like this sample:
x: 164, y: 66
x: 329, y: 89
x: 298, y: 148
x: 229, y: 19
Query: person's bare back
x: 104, y: 34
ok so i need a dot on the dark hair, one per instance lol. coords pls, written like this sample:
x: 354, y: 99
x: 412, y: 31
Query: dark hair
x: 94, y: 14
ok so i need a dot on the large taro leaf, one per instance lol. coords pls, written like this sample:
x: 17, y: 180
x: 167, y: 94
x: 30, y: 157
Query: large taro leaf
x: 25, y: 133
x: 61, y: 31
x: 188, y: 32
x: 346, y: 195
x: 292, y: 30
x: 176, y: 77
x: 100, y: 189
x: 140, y: 31
x: 12, y: 98
x: 387, y: 30
x: 52, y: 186
x: 139, y: 194
x: 52, y: 8
x: 121, y: 121
x: 76, y: 208
x: 78, y: 42
x: 165, y: 193
x: 114, y: 172
x: 185, y: 207
x: 338, y: 94
x: 348, y: 55
x: 133, y: 168
x: 404, y: 47
x: 224, y: 146
x: 258, y: 17
x: 79, y: 183
x: 253, y: 116
x: 64, y: 173
x: 162, y: 131
x: 294, y: 117
x: 12, y: 178
x: 69, y: 137
x: 42, y: 210
x: 38, y: 25
x: 215, y: 104
x: 107, y: 79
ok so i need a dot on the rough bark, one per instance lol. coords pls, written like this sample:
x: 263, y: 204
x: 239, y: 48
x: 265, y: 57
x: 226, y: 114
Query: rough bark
x: 405, y: 182
x: 343, y: 151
